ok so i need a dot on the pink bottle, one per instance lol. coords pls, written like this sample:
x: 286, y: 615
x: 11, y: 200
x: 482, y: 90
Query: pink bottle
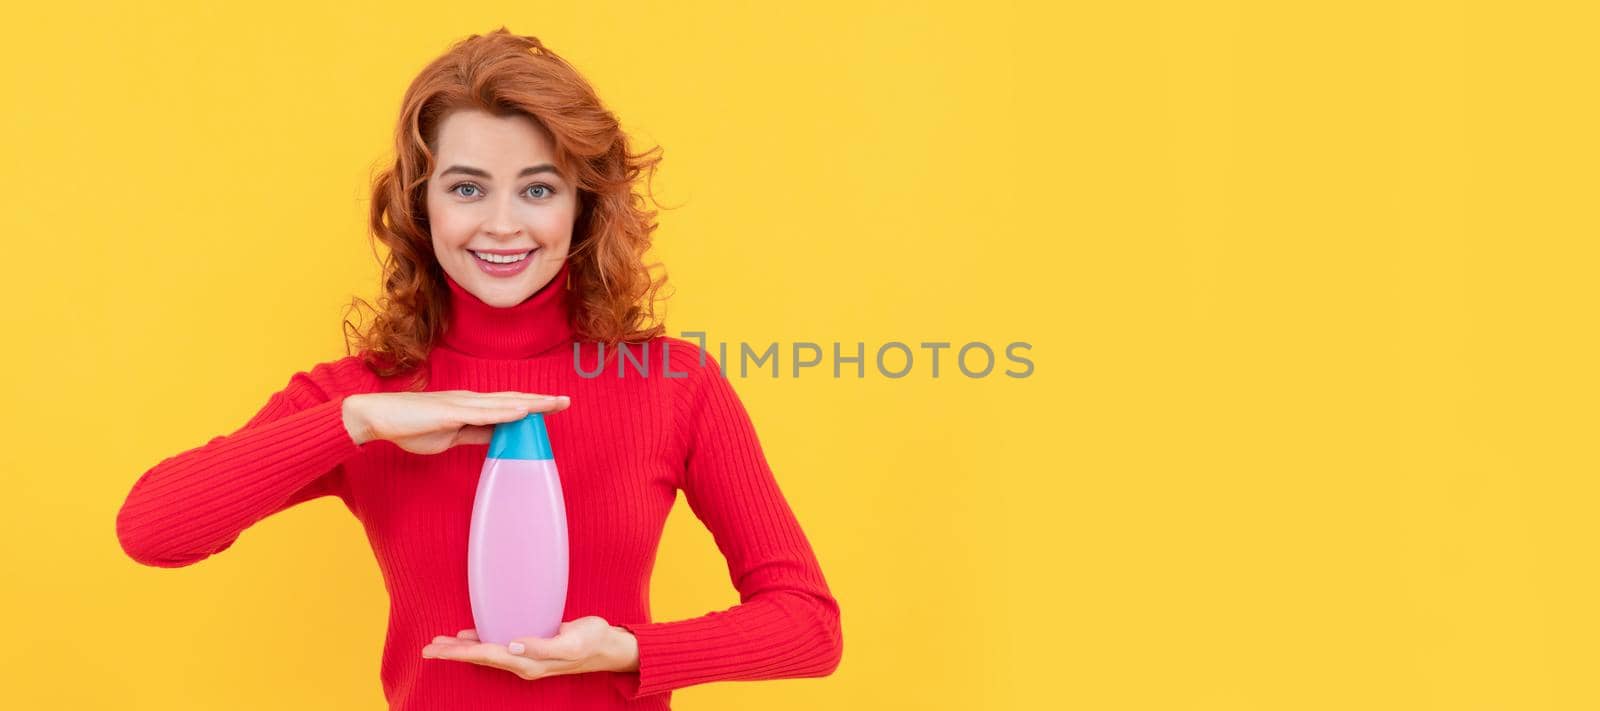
x: 517, y: 548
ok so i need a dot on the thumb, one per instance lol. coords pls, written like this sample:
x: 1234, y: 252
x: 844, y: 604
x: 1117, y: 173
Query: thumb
x: 475, y: 434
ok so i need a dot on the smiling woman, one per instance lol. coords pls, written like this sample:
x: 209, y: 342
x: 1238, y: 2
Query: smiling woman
x: 516, y: 243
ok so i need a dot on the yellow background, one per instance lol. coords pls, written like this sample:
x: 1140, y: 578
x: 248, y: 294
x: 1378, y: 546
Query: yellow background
x: 1311, y: 290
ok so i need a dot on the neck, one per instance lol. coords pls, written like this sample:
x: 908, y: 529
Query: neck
x: 538, y: 325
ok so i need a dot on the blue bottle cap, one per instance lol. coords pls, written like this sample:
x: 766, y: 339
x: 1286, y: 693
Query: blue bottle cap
x: 521, y: 439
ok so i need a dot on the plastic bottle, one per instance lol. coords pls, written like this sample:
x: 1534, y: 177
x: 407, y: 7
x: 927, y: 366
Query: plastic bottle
x: 517, y: 548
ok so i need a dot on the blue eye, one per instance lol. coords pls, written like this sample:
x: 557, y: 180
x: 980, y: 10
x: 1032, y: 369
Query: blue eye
x: 456, y: 189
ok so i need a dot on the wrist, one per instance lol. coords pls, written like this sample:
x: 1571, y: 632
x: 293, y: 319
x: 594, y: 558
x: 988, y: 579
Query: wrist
x: 353, y: 423
x: 624, y: 648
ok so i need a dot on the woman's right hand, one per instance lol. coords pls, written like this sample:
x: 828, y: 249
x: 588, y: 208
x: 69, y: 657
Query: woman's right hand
x: 431, y: 422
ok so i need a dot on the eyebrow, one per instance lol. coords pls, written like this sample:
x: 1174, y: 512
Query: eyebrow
x: 530, y: 170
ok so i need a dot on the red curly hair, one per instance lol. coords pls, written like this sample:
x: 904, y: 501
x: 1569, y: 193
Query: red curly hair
x: 614, y: 291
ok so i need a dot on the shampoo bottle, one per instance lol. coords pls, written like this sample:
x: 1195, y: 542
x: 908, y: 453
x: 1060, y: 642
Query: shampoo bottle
x: 517, y: 547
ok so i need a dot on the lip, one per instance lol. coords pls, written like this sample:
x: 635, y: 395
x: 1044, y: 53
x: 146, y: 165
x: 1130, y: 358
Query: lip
x: 503, y: 252
x: 503, y: 270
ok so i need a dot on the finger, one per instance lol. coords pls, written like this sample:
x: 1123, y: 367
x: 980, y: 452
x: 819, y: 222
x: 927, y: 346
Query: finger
x: 497, y: 655
x: 518, y: 394
x: 487, y: 416
x: 468, y: 634
x: 509, y: 395
x: 496, y: 393
x: 550, y: 404
x: 554, y: 404
x: 447, y: 647
x: 475, y: 434
x: 521, y: 667
x: 492, y: 655
x: 543, y: 403
x: 501, y: 400
x: 558, y: 647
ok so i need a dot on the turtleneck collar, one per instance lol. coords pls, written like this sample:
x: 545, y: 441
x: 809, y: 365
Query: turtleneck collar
x: 537, y: 325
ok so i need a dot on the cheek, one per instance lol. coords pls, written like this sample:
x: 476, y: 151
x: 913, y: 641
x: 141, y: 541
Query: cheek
x: 555, y: 226
x: 449, y: 227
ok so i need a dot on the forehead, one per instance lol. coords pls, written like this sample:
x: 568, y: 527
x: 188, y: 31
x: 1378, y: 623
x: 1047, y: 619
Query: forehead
x: 493, y: 141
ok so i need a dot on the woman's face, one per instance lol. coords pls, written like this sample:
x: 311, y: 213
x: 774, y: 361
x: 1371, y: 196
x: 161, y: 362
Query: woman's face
x: 495, y: 190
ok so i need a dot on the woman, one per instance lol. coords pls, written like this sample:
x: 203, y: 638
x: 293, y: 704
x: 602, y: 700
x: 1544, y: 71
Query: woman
x: 515, y: 267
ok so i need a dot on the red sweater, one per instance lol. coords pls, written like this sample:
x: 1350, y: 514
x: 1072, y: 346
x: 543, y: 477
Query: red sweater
x: 624, y: 448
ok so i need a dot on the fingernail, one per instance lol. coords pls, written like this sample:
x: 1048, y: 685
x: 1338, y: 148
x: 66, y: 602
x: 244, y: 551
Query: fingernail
x: 516, y: 648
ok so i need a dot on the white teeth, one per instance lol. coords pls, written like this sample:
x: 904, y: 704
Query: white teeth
x: 501, y: 259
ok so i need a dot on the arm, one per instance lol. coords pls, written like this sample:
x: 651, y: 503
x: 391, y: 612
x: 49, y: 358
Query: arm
x: 196, y: 503
x: 787, y: 622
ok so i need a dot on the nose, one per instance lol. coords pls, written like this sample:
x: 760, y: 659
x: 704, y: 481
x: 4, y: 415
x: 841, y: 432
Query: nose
x: 503, y: 218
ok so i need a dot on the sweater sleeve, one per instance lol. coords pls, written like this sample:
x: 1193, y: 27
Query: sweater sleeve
x: 195, y: 504
x: 787, y: 622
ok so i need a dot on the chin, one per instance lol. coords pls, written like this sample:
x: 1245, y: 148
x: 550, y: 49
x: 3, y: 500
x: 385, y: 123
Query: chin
x: 506, y: 297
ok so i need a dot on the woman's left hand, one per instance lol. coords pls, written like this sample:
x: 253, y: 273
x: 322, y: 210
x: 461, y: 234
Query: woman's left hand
x: 587, y: 644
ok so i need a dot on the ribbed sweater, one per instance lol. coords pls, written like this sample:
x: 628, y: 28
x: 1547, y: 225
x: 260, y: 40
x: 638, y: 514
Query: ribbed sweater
x: 626, y: 445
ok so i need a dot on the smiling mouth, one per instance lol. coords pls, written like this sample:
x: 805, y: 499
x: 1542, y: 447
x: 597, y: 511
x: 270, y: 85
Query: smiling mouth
x: 490, y: 258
